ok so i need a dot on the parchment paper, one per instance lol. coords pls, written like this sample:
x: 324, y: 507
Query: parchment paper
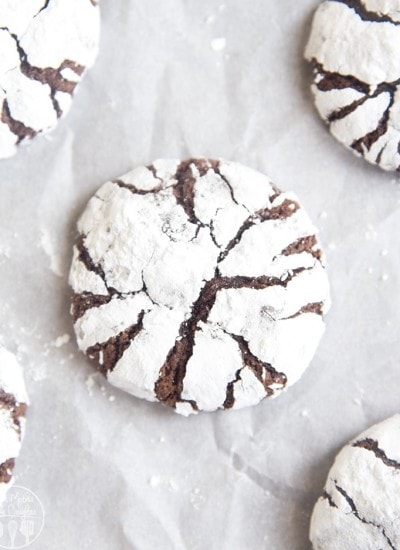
x: 114, y: 472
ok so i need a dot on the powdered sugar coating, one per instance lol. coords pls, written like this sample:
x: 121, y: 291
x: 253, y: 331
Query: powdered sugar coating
x: 361, y: 501
x: 198, y: 284
x: 45, y: 45
x: 354, y: 48
x: 13, y: 403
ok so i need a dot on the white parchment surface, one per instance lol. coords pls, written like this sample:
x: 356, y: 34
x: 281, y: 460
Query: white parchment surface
x: 179, y: 78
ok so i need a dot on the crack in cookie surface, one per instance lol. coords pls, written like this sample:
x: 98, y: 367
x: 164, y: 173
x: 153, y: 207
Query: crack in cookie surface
x: 107, y: 354
x: 373, y: 446
x: 17, y: 410
x: 264, y: 372
x: 6, y: 470
x: 18, y: 128
x: 367, y: 15
x: 359, y: 517
x: 304, y: 244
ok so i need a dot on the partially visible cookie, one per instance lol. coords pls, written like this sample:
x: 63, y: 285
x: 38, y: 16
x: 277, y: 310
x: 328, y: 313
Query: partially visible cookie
x: 198, y: 284
x: 360, y: 505
x: 45, y: 46
x: 13, y: 405
x: 354, y: 49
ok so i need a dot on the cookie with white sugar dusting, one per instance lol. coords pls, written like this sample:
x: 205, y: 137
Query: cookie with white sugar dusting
x: 359, y: 508
x: 45, y: 47
x: 198, y: 284
x: 354, y: 48
x: 13, y: 405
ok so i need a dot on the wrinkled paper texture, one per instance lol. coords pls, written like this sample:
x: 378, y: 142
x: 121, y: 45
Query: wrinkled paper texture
x: 176, y: 79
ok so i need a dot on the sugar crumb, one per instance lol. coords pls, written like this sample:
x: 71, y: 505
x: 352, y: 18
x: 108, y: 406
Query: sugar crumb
x: 218, y: 44
x: 173, y: 486
x: 90, y: 384
x: 154, y: 481
x: 61, y: 340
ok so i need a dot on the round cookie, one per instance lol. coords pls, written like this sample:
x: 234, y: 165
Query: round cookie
x: 360, y: 504
x: 45, y: 47
x: 13, y: 404
x: 198, y: 284
x: 354, y: 49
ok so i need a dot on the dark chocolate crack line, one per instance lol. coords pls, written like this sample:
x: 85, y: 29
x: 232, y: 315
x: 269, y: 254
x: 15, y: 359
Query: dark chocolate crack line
x: 82, y: 302
x: 373, y: 446
x: 45, y: 6
x: 17, y: 410
x: 328, y: 497
x: 265, y: 373
x: 357, y: 515
x: 52, y: 77
x: 6, y: 469
x: 107, y: 354
x: 359, y: 108
x: 16, y: 127
x: 367, y: 15
x: 301, y: 254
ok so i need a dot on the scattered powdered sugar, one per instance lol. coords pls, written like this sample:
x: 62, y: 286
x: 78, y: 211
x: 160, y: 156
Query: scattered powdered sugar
x: 61, y: 340
x: 93, y: 383
x: 218, y: 44
x: 154, y: 481
x: 371, y: 233
x: 90, y: 383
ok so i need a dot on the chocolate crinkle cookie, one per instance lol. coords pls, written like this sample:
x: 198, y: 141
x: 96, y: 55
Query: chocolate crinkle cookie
x: 198, y: 284
x: 45, y: 46
x: 13, y: 405
x: 354, y: 49
x: 360, y: 506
